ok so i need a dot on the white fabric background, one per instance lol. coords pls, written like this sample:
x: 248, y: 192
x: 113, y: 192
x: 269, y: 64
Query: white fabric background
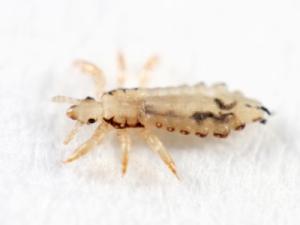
x: 250, y: 178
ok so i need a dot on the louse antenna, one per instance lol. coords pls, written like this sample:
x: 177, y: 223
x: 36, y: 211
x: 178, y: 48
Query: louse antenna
x: 64, y: 99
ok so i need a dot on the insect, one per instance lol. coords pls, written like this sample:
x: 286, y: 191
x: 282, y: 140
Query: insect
x: 198, y: 110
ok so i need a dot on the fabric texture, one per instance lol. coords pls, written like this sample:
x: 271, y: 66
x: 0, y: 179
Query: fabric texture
x: 252, y: 177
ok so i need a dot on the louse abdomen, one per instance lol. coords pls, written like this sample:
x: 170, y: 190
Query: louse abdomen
x: 187, y: 114
x: 197, y: 123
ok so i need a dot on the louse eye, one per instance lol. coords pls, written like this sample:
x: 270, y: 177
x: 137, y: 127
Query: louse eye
x: 91, y: 120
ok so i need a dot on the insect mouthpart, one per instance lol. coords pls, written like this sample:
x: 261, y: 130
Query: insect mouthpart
x: 71, y: 114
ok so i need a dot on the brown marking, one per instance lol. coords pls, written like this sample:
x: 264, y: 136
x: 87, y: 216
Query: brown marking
x: 124, y: 90
x: 170, y: 129
x: 201, y: 116
x: 263, y: 121
x: 123, y: 125
x: 224, y: 117
x: 158, y: 125
x: 89, y: 98
x: 240, y: 127
x: 199, y: 134
x: 266, y: 110
x: 110, y: 92
x: 221, y: 135
x: 184, y: 132
x: 224, y: 106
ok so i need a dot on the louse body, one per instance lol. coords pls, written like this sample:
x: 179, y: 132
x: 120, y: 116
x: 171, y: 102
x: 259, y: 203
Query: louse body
x: 197, y: 110
x: 190, y: 110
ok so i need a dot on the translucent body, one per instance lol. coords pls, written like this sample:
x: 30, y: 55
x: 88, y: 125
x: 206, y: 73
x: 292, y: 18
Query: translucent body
x: 190, y: 110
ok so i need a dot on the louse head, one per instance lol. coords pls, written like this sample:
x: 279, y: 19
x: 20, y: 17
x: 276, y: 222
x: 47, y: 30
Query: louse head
x: 86, y: 111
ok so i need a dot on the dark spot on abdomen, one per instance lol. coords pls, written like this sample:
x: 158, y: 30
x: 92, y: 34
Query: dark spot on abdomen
x: 184, y: 132
x: 170, y: 129
x: 224, y: 106
x: 201, y: 116
x: 221, y: 135
x: 199, y: 134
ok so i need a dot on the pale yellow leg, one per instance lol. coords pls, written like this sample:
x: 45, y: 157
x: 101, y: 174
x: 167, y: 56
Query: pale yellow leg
x: 94, y: 71
x: 121, y: 69
x: 72, y: 133
x: 156, y: 145
x: 125, y: 147
x: 148, y: 67
x: 98, y: 135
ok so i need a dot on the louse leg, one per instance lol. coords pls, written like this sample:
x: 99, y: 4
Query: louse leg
x: 98, y: 135
x: 156, y: 145
x: 72, y: 133
x: 94, y: 71
x: 121, y: 69
x: 64, y: 99
x: 148, y: 67
x: 125, y: 147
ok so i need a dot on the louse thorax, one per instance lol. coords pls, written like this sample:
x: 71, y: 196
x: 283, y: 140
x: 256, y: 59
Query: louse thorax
x: 122, y: 108
x: 88, y: 111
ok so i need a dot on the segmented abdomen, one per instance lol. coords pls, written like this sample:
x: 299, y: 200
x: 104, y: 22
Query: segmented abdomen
x: 207, y: 110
